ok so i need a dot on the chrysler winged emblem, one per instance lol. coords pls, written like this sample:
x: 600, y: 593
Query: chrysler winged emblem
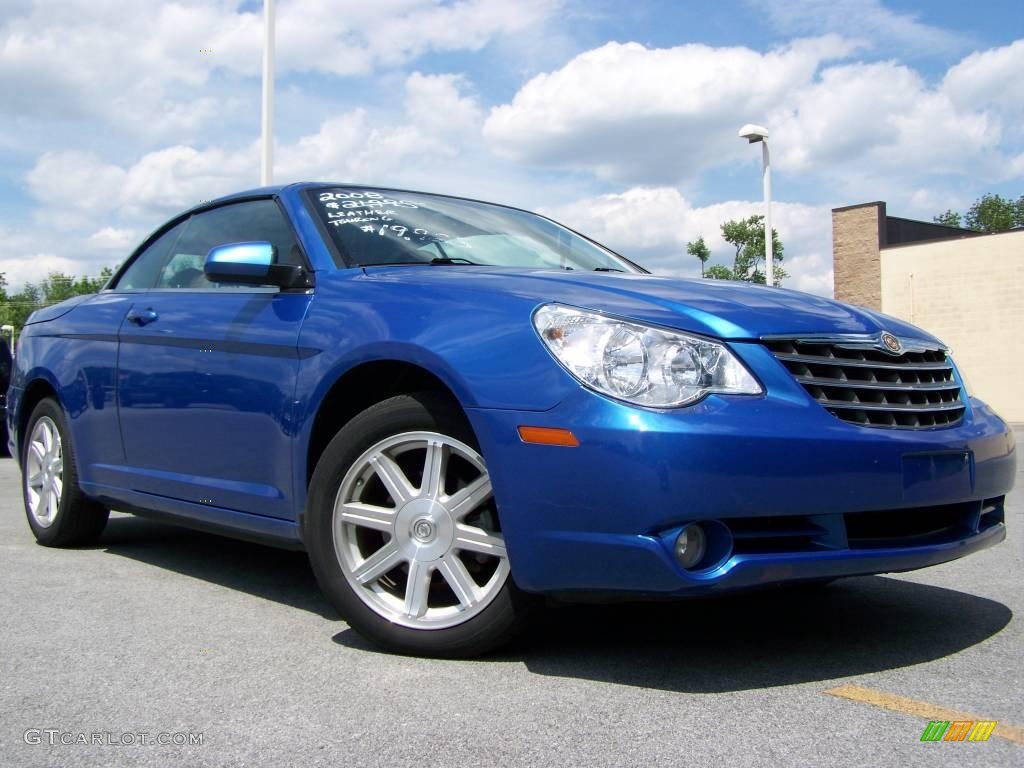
x: 891, y: 343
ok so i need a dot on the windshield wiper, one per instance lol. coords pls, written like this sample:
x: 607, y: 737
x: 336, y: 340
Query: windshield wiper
x: 446, y: 260
x: 452, y: 260
x: 608, y: 269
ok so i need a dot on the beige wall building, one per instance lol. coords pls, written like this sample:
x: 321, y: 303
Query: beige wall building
x: 967, y: 289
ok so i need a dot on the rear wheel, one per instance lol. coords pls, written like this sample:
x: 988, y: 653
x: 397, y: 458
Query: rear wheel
x: 59, y: 514
x: 404, y: 536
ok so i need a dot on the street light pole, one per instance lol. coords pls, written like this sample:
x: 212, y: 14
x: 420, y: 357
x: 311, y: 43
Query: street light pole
x: 754, y: 134
x: 769, y: 246
x: 267, y: 149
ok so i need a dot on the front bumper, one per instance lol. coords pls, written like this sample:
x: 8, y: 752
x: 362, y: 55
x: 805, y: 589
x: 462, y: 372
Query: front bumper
x: 602, y: 516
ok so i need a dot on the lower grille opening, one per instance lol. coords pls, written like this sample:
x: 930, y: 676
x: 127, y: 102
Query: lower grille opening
x: 992, y: 513
x: 761, y: 535
x: 910, y: 527
x: 887, y: 528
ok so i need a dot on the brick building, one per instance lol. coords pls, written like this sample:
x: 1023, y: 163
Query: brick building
x: 964, y: 287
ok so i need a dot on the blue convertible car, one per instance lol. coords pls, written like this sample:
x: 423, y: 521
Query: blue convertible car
x: 454, y: 407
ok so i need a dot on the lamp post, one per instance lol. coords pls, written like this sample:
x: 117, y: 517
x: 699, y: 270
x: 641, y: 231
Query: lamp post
x: 753, y: 134
x: 9, y: 329
x: 267, y: 149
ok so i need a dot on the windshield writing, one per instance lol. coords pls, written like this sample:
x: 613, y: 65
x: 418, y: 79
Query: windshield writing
x: 375, y: 227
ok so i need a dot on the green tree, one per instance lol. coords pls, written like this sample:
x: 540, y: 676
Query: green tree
x: 16, y: 307
x: 950, y: 218
x: 719, y: 272
x: 699, y: 249
x: 994, y: 213
x: 747, y: 237
x: 55, y: 287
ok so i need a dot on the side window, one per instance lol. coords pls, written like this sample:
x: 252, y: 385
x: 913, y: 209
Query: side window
x: 145, y: 270
x: 236, y: 223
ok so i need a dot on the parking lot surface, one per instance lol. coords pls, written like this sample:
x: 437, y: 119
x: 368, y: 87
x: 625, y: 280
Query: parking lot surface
x: 161, y: 633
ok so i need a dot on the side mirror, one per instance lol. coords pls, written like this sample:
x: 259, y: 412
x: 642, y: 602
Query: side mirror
x: 253, y: 264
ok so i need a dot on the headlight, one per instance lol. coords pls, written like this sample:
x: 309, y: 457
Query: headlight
x: 637, y: 363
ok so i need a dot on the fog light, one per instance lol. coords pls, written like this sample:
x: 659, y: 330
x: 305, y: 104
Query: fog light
x: 691, y: 544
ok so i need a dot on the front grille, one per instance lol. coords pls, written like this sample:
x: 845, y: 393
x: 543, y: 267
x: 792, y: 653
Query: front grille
x: 859, y: 383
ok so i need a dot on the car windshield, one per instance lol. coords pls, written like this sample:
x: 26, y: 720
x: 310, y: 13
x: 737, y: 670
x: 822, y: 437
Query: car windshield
x: 373, y: 227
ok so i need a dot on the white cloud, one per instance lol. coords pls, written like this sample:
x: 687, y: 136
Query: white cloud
x: 33, y: 248
x: 134, y: 62
x: 76, y: 190
x: 358, y: 37
x: 178, y: 177
x: 414, y: 27
x: 989, y: 79
x: 164, y: 126
x: 435, y: 104
x: 75, y: 180
x: 926, y: 202
x: 163, y: 181
x: 114, y: 239
x: 652, y: 225
x: 631, y: 114
x: 627, y: 112
x: 881, y: 119
x: 350, y: 146
x: 811, y: 273
x: 66, y: 59
x: 357, y: 146
x: 34, y: 267
x: 868, y: 20
x: 1015, y: 168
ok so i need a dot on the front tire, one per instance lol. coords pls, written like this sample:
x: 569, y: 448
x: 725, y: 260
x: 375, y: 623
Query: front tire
x: 403, y: 533
x: 59, y: 514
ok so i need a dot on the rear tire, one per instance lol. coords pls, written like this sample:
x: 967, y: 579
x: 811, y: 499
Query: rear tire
x: 59, y: 514
x: 403, y: 534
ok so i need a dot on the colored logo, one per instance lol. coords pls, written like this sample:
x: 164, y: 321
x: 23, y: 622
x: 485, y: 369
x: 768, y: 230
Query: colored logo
x: 891, y: 342
x: 958, y: 730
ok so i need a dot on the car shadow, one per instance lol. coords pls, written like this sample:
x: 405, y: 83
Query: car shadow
x: 730, y: 643
x: 755, y: 640
x: 281, y: 575
x: 765, y: 639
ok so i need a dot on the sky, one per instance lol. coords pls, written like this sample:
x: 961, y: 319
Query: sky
x: 617, y: 118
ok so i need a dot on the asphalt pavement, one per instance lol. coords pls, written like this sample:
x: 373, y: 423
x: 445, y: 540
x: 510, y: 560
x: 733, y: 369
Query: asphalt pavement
x: 227, y: 652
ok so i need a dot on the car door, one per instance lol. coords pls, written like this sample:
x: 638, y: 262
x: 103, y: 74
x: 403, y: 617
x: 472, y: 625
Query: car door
x: 206, y: 372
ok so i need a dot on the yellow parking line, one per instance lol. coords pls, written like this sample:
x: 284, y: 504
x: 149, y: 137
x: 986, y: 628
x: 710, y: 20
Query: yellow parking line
x: 923, y: 709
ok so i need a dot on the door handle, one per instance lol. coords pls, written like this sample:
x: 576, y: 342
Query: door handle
x: 141, y: 316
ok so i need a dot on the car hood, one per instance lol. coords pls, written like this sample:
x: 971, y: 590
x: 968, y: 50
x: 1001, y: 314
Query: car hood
x: 728, y: 310
x: 54, y: 311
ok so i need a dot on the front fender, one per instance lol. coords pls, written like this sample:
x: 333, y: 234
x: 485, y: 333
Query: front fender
x: 483, y: 347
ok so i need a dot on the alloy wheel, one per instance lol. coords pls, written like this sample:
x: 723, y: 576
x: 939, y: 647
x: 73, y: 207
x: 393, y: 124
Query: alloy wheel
x: 416, y: 531
x: 44, y: 472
